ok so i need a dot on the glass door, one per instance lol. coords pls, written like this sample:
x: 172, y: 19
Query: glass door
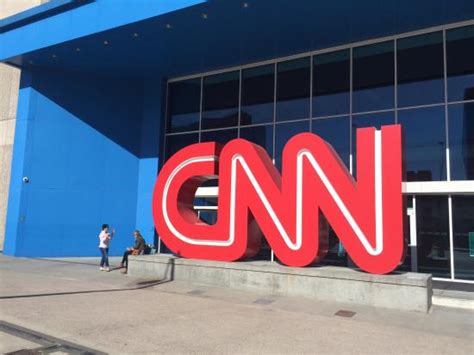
x: 432, y: 244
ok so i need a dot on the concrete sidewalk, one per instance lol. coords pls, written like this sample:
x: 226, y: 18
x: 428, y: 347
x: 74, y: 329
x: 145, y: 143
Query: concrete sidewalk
x: 71, y: 301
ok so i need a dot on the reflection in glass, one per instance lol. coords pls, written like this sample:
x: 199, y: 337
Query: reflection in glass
x: 461, y: 141
x: 293, y: 87
x: 208, y: 216
x: 205, y: 201
x: 376, y: 120
x: 432, y: 235
x: 424, y: 143
x: 184, y: 105
x: 336, y: 131
x: 460, y: 63
x: 257, y: 95
x: 220, y: 100
x: 420, y: 70
x: 176, y: 142
x: 283, y: 132
x: 261, y: 135
x: 409, y: 262
x: 336, y: 254
x: 221, y: 136
x: 373, y: 77
x: 463, y: 237
x: 331, y: 82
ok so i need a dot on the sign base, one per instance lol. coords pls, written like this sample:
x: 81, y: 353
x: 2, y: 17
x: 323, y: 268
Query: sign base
x: 404, y: 291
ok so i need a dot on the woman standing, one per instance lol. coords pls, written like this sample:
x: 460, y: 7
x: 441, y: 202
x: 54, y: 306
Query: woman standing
x: 104, y: 240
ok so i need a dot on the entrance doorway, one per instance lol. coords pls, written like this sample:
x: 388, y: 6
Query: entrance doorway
x: 440, y: 236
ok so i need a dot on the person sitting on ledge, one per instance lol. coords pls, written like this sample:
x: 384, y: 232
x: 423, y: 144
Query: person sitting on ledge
x: 137, y: 249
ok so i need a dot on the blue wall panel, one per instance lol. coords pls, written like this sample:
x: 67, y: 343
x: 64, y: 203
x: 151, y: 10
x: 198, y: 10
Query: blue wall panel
x: 82, y: 158
x: 146, y: 181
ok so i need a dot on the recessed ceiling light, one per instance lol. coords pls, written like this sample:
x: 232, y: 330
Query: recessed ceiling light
x: 53, y: 55
x: 245, y: 5
x: 78, y: 49
x: 204, y: 16
x: 168, y: 26
x: 106, y: 42
x: 135, y: 35
x: 30, y: 62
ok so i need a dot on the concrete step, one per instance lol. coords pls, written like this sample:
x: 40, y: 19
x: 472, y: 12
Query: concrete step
x: 453, y: 294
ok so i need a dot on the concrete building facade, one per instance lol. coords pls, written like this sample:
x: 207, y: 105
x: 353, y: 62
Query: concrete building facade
x: 9, y: 83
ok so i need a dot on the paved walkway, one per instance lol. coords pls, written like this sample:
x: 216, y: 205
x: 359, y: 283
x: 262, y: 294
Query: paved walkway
x: 70, y: 306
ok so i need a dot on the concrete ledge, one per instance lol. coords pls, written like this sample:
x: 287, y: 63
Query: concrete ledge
x: 407, y: 291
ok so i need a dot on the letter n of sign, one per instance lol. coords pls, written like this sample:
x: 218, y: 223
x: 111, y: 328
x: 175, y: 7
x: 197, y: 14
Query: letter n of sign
x: 290, y: 210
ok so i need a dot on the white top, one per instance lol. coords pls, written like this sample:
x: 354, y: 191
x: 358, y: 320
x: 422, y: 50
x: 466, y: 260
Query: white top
x: 103, y: 240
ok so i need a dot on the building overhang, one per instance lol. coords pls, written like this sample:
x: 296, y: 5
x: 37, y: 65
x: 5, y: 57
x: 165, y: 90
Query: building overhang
x: 174, y: 38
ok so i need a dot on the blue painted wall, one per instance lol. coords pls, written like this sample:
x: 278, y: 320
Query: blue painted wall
x: 78, y: 140
x: 150, y: 147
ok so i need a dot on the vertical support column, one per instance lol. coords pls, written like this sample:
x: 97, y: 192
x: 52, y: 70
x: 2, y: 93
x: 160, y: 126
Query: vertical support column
x: 451, y: 250
x: 16, y: 207
x: 351, y: 153
x: 413, y: 237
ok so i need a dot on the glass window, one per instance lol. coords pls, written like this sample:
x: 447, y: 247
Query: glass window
x: 376, y: 120
x: 336, y: 131
x: 257, y: 95
x: 184, y: 98
x: 336, y: 254
x: 424, y: 142
x: 331, y: 83
x: 293, y: 86
x: 373, y: 77
x: 409, y: 262
x: 463, y: 237
x: 461, y: 141
x: 460, y: 63
x: 283, y: 132
x: 432, y: 228
x: 220, y: 100
x: 261, y: 135
x: 176, y: 142
x: 420, y: 70
x: 221, y: 136
x: 208, y: 216
x: 205, y: 201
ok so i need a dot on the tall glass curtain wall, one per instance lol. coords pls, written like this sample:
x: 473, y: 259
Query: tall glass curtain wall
x: 423, y: 82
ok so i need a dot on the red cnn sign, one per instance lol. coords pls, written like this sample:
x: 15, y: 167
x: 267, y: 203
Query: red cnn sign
x: 287, y: 209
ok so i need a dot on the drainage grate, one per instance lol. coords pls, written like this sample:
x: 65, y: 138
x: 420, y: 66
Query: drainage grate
x: 263, y: 301
x: 345, y: 313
